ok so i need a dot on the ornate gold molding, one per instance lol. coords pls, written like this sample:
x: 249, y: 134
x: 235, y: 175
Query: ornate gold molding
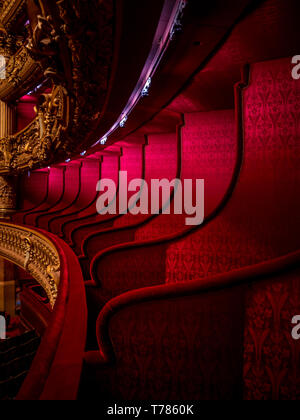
x: 34, y: 253
x: 10, y: 10
x: 73, y: 44
x: 41, y: 141
x: 7, y: 196
x: 22, y: 72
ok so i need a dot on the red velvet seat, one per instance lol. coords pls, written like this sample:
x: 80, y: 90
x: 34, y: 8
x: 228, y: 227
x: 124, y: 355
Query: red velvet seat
x: 208, y: 151
x: 90, y: 173
x: 158, y: 147
x: 131, y: 161
x: 55, y: 195
x: 223, y: 338
x: 34, y: 192
x: 260, y: 222
x: 71, y: 192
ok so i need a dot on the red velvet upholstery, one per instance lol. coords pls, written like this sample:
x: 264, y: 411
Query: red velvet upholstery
x: 35, y: 310
x: 56, y: 369
x: 244, y: 232
x: 213, y: 159
x: 262, y: 220
x: 209, y: 153
x: 90, y: 173
x: 86, y: 211
x: 55, y: 194
x: 133, y: 163
x: 25, y: 111
x: 156, y: 166
x: 33, y: 188
x: 226, y: 337
x: 204, y: 312
x: 71, y: 192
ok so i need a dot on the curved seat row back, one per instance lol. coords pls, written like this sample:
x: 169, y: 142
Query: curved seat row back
x: 72, y: 187
x: 260, y: 222
x: 223, y: 338
x: 242, y: 346
x: 33, y: 188
x: 55, y: 194
x: 208, y: 151
x: 131, y: 162
x: 90, y: 173
x: 162, y: 160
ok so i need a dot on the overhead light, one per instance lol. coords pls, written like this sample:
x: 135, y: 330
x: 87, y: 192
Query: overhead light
x: 177, y: 25
x: 83, y: 153
x: 164, y: 36
x: 145, y: 91
x: 68, y: 160
x: 103, y: 141
x: 123, y: 121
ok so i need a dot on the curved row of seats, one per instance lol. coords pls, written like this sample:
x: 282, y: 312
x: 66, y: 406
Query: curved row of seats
x: 259, y: 220
x: 226, y: 337
x: 185, y: 312
x: 259, y: 223
x: 251, y: 210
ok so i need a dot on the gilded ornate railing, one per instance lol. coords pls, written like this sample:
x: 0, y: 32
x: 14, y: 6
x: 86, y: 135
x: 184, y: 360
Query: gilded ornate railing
x: 22, y: 73
x: 9, y: 11
x: 70, y: 45
x: 34, y: 253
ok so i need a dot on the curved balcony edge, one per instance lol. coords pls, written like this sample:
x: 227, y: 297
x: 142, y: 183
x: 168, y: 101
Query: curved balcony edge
x: 56, y: 369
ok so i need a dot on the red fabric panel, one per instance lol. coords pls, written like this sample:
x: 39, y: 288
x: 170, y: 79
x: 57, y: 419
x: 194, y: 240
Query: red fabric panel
x: 32, y: 189
x: 35, y: 311
x: 161, y: 161
x: 109, y: 170
x: 25, y: 112
x: 262, y: 220
x: 56, y: 369
x: 174, y: 350
x: 72, y: 185
x: 132, y: 162
x: 89, y: 177
x: 148, y: 354
x: 55, y: 194
x: 209, y: 153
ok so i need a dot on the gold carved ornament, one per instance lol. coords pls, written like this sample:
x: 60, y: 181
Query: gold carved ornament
x: 35, y: 254
x: 72, y: 44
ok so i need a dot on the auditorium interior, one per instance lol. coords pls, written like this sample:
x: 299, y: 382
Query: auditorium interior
x: 135, y: 304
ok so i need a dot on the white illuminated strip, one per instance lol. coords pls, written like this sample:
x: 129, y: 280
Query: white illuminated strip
x: 145, y: 91
x: 161, y: 42
x: 123, y: 121
x: 35, y: 89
